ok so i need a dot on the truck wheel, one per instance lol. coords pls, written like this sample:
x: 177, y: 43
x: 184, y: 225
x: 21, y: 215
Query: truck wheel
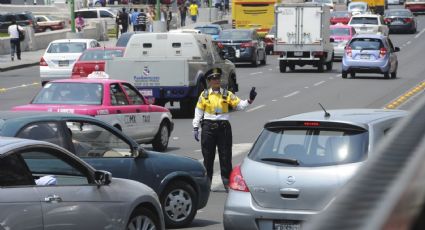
x: 344, y: 75
x: 320, y: 66
x: 187, y: 106
x: 232, y: 85
x: 329, y: 65
x: 353, y: 75
x: 254, y: 62
x: 292, y: 67
x: 387, y: 75
x: 264, y: 61
x: 282, y: 66
x: 160, y: 142
x: 179, y: 203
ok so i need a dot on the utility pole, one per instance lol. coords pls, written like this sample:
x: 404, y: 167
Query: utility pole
x: 158, y: 10
x: 71, y: 8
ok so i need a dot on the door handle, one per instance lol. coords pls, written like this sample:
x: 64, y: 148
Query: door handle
x: 52, y: 199
x: 290, y: 193
x: 118, y: 111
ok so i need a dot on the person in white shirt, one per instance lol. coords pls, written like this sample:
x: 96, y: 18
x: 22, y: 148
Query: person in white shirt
x: 15, y: 43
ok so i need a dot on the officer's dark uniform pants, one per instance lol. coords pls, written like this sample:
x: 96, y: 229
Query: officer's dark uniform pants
x: 217, y: 134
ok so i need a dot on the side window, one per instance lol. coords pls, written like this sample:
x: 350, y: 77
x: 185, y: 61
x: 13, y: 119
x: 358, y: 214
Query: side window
x: 9, y: 18
x: 14, y: 172
x: 117, y: 95
x: 41, y: 19
x: 105, y: 14
x: 381, y: 21
x: 134, y: 97
x: 92, y: 140
x: 88, y: 14
x: 60, y: 168
x: 44, y: 131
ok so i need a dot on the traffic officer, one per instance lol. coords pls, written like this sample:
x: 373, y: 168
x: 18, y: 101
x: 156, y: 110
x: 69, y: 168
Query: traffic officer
x: 212, y: 112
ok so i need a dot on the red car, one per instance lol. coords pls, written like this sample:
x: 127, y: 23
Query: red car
x: 416, y: 6
x: 94, y: 60
x: 340, y: 17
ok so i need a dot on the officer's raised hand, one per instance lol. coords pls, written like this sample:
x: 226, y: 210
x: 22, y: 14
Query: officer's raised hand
x: 252, y: 95
x: 196, y: 133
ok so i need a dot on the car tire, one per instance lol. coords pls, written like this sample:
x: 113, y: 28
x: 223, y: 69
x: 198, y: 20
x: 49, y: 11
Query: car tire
x: 254, y: 62
x: 160, y: 142
x: 179, y: 204
x: 264, y: 61
x: 143, y: 218
x: 282, y: 66
x: 292, y: 67
x: 320, y: 66
x: 387, y: 75
x: 344, y: 75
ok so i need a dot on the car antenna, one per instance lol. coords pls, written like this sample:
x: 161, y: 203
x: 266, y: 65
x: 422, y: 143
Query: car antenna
x: 326, y: 113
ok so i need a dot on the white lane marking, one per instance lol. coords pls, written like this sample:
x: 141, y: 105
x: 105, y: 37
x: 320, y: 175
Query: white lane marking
x: 420, y: 33
x: 175, y: 138
x: 270, y: 69
x: 291, y: 94
x: 274, y: 100
x: 331, y: 78
x: 305, y: 87
x: 237, y: 149
x: 338, y: 75
x: 255, y: 73
x: 403, y: 45
x: 319, y: 83
x: 19, y: 86
x: 408, y: 43
x: 255, y: 108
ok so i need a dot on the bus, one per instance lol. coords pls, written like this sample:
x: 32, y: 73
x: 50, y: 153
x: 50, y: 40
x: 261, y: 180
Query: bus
x: 253, y: 14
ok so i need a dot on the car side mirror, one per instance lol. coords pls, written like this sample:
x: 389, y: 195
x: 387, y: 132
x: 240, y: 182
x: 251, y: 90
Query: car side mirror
x: 332, y: 40
x: 397, y: 49
x: 102, y: 177
x: 141, y: 152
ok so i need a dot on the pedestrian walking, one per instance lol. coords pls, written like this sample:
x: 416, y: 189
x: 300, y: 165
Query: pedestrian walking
x: 151, y: 18
x: 183, y: 11
x: 133, y: 18
x: 123, y: 19
x: 193, y: 11
x: 79, y: 23
x: 169, y: 17
x: 212, y: 112
x: 141, y: 21
x: 17, y: 34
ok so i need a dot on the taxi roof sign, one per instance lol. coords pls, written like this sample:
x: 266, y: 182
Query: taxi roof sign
x: 98, y: 75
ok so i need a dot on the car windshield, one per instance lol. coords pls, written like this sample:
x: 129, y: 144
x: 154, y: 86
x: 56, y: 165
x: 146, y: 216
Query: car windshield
x: 364, y: 20
x: 310, y: 147
x: 366, y: 44
x: 92, y: 55
x: 208, y: 30
x: 67, y: 47
x: 70, y: 93
x: 360, y: 7
x: 236, y: 34
x: 402, y: 13
x: 340, y: 31
x: 323, y: 1
x: 340, y: 14
x: 123, y: 39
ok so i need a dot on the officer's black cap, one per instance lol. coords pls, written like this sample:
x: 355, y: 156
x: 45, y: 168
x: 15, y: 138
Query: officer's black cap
x: 215, y: 74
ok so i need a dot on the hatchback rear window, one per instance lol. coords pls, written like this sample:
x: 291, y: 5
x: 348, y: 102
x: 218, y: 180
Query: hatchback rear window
x: 338, y: 31
x: 310, y: 147
x: 366, y: 44
x: 364, y: 20
x: 67, y: 47
x: 92, y: 55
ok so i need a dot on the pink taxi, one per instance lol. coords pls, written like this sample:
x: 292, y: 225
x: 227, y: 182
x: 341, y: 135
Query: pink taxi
x: 116, y: 102
x: 340, y: 35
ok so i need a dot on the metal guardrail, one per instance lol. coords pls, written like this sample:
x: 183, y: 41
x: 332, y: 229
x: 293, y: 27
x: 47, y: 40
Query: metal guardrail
x: 388, y: 191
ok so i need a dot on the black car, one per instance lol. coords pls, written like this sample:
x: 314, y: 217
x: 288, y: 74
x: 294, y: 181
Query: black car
x: 400, y: 20
x: 242, y: 45
x: 23, y: 19
x: 180, y: 182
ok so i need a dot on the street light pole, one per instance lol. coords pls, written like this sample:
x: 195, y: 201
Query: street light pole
x: 158, y: 10
x: 71, y: 8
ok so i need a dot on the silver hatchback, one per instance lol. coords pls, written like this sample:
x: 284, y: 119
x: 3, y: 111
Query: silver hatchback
x: 298, y: 164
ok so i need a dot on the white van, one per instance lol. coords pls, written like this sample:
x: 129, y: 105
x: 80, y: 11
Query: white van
x: 98, y: 14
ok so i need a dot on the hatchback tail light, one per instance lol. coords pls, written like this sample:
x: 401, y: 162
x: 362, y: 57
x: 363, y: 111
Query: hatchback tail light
x: 236, y: 180
x: 43, y: 62
x: 382, y: 52
x: 349, y: 51
x: 220, y: 45
x: 387, y: 20
x: 407, y: 20
x: 247, y: 44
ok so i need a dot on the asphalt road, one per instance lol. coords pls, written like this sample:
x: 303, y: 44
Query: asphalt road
x: 279, y: 95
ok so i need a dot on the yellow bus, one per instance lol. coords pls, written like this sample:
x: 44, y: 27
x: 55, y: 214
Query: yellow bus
x: 253, y: 14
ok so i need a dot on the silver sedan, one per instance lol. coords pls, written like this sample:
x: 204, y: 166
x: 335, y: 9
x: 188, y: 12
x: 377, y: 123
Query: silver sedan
x: 298, y: 164
x: 43, y: 186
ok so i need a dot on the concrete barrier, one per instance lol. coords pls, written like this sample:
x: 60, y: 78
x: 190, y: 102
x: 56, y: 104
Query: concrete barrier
x: 39, y: 41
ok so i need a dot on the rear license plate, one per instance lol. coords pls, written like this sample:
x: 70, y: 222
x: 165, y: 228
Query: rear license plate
x: 63, y: 63
x: 146, y: 92
x: 238, y: 53
x: 298, y: 54
x: 286, y: 225
x: 363, y: 28
x: 364, y: 56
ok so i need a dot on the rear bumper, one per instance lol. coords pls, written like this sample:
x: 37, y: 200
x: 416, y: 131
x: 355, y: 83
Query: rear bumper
x: 416, y: 8
x: 381, y: 66
x: 50, y: 74
x: 242, y: 212
x: 404, y: 27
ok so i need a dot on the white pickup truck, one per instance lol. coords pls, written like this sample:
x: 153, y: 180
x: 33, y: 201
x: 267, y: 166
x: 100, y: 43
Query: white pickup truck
x: 303, y: 35
x: 172, y: 67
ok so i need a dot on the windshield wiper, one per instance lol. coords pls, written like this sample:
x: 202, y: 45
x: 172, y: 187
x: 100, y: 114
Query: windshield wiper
x: 282, y: 160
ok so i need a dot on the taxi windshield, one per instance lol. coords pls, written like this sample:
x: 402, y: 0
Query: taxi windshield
x: 70, y: 93
x: 92, y: 55
x: 208, y: 30
x: 67, y: 47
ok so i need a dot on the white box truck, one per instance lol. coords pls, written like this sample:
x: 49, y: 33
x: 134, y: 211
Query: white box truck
x: 303, y: 36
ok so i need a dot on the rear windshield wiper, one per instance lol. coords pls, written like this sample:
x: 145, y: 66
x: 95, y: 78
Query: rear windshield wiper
x: 282, y: 160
